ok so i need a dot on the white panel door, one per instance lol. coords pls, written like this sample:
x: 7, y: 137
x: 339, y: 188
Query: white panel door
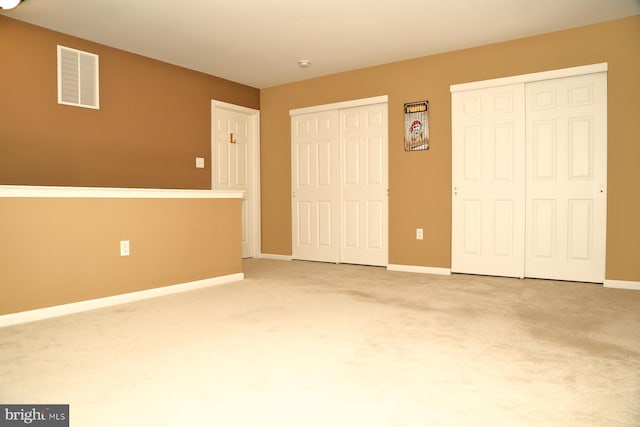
x: 566, y: 178
x: 488, y: 202
x: 364, y: 183
x: 232, y: 163
x: 315, y: 170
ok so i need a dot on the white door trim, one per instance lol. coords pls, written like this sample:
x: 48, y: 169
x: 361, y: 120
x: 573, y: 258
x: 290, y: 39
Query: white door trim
x: 341, y: 105
x: 532, y: 77
x: 254, y: 184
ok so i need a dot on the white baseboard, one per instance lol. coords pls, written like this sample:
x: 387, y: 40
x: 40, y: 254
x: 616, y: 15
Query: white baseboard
x: 419, y: 269
x: 77, y: 307
x: 622, y: 284
x: 276, y: 256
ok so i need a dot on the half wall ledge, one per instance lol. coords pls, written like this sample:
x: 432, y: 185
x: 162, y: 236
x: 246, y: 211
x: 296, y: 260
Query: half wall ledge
x: 117, y: 193
x: 68, y: 247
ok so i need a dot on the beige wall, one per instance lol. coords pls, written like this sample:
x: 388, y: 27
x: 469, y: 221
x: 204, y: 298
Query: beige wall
x: 420, y: 182
x: 154, y: 118
x: 58, y: 251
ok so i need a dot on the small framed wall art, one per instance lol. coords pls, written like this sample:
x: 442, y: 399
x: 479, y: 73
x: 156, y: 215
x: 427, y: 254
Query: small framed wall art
x: 416, y: 126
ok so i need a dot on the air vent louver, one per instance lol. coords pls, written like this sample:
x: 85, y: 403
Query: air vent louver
x: 78, y: 78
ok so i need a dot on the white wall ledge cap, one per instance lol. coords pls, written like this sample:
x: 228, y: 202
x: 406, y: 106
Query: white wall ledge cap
x: 26, y: 191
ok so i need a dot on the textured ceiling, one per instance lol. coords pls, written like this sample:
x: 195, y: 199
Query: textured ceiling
x: 259, y: 42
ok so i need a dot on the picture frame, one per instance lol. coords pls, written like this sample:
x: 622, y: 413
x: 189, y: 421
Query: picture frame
x: 416, y: 126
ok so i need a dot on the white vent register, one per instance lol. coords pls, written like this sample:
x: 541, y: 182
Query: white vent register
x: 78, y: 82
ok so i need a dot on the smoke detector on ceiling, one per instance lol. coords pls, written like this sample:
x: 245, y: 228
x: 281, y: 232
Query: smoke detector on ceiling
x: 304, y: 63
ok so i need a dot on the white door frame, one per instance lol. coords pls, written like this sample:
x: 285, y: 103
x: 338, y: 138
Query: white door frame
x: 533, y: 77
x: 253, y: 186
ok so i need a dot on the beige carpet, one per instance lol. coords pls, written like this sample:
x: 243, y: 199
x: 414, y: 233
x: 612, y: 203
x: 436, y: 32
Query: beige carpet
x: 312, y: 344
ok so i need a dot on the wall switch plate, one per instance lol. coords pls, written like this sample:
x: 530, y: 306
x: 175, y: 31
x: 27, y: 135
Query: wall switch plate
x: 200, y: 162
x: 419, y: 234
x: 125, y: 248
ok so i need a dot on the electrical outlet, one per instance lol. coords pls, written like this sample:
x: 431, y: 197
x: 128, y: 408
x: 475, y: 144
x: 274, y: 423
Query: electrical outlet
x: 419, y: 234
x: 200, y: 162
x: 125, y: 248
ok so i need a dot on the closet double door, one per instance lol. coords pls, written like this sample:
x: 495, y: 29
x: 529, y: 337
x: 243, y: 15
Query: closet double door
x: 339, y: 183
x: 529, y: 179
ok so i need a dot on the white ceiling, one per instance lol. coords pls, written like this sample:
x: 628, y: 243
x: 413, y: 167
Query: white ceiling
x: 258, y: 42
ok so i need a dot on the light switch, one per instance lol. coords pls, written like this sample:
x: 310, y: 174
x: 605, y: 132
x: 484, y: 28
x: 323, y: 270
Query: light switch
x: 125, y: 248
x: 200, y: 162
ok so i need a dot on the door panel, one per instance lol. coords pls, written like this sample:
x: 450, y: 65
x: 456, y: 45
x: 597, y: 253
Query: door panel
x: 325, y: 224
x: 566, y: 142
x: 303, y: 216
x: 543, y: 226
x: 364, y: 229
x: 315, y: 180
x: 231, y: 160
x: 488, y: 181
x: 339, y: 182
x: 232, y: 163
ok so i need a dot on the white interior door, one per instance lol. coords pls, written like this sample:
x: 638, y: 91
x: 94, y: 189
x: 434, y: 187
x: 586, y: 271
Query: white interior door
x: 364, y: 183
x: 566, y: 178
x: 488, y: 181
x: 234, y: 155
x: 315, y: 176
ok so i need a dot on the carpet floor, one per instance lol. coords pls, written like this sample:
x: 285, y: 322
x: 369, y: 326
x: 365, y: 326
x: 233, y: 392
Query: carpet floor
x: 312, y: 344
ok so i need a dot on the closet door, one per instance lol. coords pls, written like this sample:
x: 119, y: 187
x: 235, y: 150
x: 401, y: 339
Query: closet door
x: 339, y: 176
x: 364, y: 183
x: 566, y: 178
x: 315, y: 170
x: 488, y: 149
